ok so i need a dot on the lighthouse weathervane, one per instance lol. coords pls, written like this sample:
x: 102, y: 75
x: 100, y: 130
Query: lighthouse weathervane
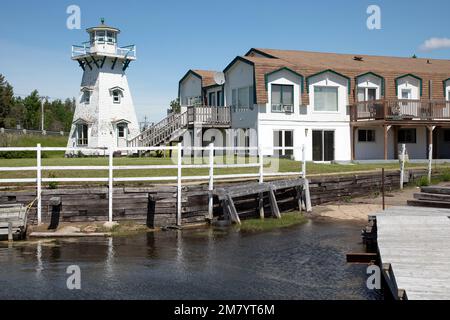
x: 104, y: 114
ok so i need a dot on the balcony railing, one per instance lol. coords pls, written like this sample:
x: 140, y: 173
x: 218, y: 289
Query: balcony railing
x: 209, y: 115
x: 86, y: 49
x: 396, y: 110
x: 172, y: 126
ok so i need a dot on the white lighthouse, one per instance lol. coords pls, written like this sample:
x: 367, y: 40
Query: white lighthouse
x: 104, y: 114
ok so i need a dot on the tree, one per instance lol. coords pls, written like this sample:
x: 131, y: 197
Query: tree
x: 6, y: 100
x: 32, y: 105
x: 16, y: 114
x: 175, y: 106
x: 26, y: 112
x: 59, y: 115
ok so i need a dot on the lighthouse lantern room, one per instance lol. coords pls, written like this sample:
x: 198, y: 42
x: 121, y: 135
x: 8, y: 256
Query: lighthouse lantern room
x: 104, y: 114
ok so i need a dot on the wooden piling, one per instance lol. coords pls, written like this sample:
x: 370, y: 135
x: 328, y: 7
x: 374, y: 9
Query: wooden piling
x: 10, y: 231
x: 261, y: 205
x: 273, y: 204
x: 383, y: 189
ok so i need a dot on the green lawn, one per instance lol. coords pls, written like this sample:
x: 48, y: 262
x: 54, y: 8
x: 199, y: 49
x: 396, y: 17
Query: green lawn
x: 21, y: 141
x: 284, y: 166
x: 33, y: 140
x: 57, y: 159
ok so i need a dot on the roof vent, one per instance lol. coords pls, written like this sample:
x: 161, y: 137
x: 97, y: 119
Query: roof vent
x: 358, y: 58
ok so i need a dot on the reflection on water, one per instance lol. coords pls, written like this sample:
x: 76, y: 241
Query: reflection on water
x: 304, y: 262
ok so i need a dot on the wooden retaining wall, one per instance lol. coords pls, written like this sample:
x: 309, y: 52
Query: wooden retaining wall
x: 155, y: 205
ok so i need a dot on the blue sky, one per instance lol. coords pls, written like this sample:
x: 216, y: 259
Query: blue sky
x: 174, y: 36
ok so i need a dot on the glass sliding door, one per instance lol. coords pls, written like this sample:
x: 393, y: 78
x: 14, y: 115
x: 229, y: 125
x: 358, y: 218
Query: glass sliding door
x: 371, y: 94
x: 288, y: 143
x: 284, y: 140
x: 323, y: 145
x: 317, y: 145
x: 212, y: 99
x: 220, y: 98
x: 328, y: 145
x: 277, y: 142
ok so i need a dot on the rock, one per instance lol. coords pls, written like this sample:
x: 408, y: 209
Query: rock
x: 110, y: 225
x: 90, y: 229
x: 69, y: 229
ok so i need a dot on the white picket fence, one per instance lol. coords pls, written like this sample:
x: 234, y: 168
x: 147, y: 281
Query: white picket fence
x: 179, y: 178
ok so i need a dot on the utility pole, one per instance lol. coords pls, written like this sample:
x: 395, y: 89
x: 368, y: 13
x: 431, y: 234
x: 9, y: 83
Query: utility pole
x: 43, y: 99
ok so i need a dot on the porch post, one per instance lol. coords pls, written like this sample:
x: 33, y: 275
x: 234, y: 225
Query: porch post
x: 430, y: 130
x: 395, y: 142
x: 430, y: 150
x: 386, y: 129
x: 353, y: 142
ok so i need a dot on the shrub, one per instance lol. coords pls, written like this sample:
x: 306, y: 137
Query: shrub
x: 423, y: 182
x: 52, y: 185
x: 446, y: 176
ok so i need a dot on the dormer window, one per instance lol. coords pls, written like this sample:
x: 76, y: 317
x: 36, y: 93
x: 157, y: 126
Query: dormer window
x: 406, y: 94
x: 326, y: 99
x: 117, y: 94
x: 86, y: 98
x: 86, y: 95
x: 282, y: 98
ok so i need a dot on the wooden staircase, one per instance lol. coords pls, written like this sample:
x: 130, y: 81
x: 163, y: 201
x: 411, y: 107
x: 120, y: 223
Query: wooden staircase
x: 175, y: 125
x: 433, y: 197
x: 167, y: 130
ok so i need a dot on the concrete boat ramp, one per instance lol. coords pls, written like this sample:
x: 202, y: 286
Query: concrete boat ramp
x: 413, y: 246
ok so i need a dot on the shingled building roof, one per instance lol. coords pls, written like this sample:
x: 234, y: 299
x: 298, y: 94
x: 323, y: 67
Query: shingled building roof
x: 207, y: 77
x: 430, y: 71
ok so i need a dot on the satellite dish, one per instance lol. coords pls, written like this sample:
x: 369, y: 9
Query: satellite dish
x: 219, y: 78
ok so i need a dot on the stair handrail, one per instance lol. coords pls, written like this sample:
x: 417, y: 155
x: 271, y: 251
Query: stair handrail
x: 159, y: 129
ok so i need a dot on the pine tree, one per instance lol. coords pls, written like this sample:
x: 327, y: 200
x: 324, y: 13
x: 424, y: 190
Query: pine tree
x: 6, y: 100
x: 32, y: 105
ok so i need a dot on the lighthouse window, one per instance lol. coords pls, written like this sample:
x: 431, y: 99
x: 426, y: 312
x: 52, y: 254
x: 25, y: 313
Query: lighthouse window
x: 110, y: 37
x: 86, y: 98
x: 121, y: 130
x: 100, y: 36
x: 82, y: 135
x: 116, y: 96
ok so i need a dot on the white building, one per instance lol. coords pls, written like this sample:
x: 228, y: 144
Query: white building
x: 340, y: 106
x: 104, y: 114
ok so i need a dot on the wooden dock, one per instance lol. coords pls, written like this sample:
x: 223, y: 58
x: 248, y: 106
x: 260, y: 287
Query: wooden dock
x: 13, y: 221
x: 226, y: 196
x: 414, y: 251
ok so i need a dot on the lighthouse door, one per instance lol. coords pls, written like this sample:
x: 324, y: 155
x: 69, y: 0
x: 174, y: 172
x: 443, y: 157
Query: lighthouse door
x: 122, y: 135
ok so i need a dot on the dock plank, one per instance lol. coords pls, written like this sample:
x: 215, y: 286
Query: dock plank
x: 414, y: 241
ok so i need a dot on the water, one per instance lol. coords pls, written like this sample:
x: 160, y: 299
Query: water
x: 303, y: 262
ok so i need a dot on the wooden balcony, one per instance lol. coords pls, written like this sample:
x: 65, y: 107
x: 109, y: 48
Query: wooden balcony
x: 209, y: 116
x: 398, y: 111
